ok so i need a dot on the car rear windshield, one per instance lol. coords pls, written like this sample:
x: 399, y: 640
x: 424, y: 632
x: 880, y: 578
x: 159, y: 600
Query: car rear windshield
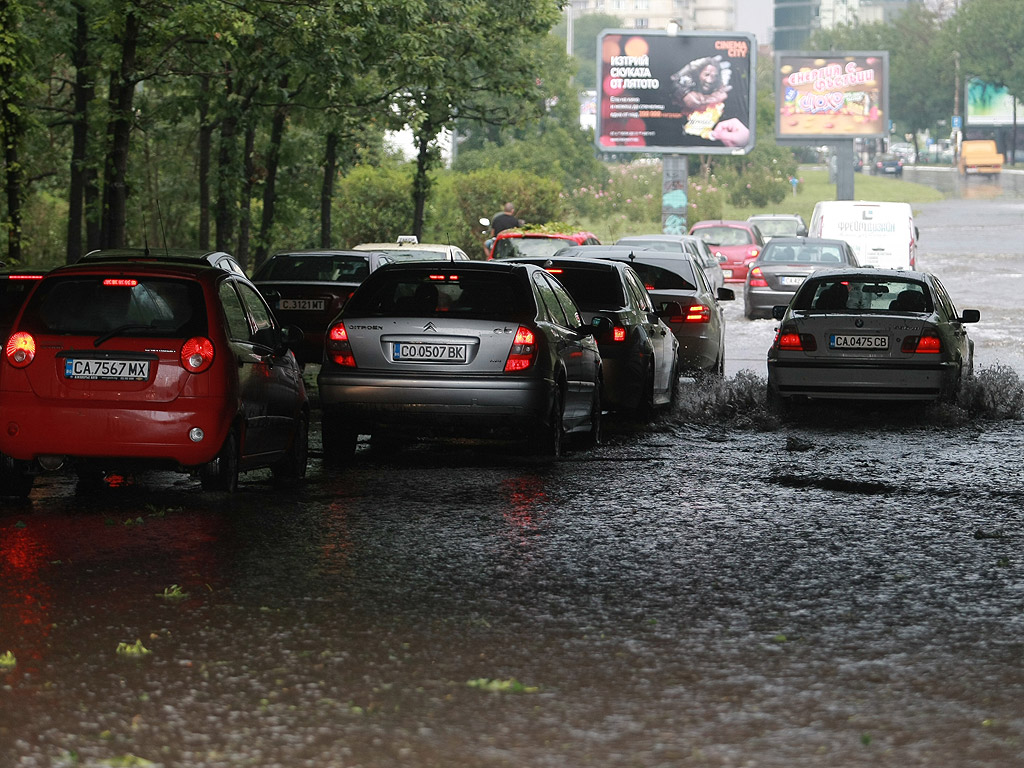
x: 97, y: 304
x: 863, y: 294
x: 679, y: 278
x: 724, y: 235
x: 315, y: 269
x: 443, y: 293
x: 533, y: 247
x: 804, y: 254
x: 778, y: 227
x: 593, y: 289
x: 668, y: 246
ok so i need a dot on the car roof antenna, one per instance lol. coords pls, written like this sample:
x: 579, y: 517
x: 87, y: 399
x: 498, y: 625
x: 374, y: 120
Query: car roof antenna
x: 145, y: 235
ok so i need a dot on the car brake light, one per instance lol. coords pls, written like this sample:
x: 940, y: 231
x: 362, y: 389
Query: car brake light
x: 121, y: 282
x: 790, y: 340
x: 618, y: 333
x: 339, y: 350
x: 523, y: 352
x: 757, y: 278
x: 197, y: 354
x: 698, y: 313
x: 927, y: 343
x: 21, y: 349
x: 753, y: 253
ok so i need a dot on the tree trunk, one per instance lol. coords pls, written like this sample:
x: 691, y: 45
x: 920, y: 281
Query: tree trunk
x: 421, y: 182
x: 270, y: 183
x: 83, y: 94
x: 122, y: 95
x: 245, y: 197
x: 205, y: 143
x: 12, y: 125
x: 327, y: 188
x: 224, y: 208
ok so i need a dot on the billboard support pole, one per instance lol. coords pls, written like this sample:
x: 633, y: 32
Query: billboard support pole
x: 674, y: 187
x: 844, y: 170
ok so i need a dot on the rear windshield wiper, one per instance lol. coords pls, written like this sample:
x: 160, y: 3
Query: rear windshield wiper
x: 120, y: 329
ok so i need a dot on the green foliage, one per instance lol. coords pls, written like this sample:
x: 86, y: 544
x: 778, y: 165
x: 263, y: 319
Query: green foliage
x: 762, y: 177
x: 373, y: 205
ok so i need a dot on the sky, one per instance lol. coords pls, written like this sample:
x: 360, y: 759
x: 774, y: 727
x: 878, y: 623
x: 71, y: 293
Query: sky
x: 755, y: 16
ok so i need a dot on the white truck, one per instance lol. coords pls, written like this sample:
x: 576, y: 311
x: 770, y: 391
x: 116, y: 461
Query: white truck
x: 882, y: 234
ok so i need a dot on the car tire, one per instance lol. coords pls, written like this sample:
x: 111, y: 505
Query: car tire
x: 15, y: 478
x: 339, y: 440
x: 221, y: 473
x: 292, y: 466
x: 645, y: 408
x: 718, y: 369
x: 776, y: 403
x: 592, y: 438
x: 550, y: 435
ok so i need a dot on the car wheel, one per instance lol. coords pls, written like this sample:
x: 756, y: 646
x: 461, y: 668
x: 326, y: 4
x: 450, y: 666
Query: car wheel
x: 592, y: 438
x: 292, y: 466
x: 15, y: 478
x: 776, y: 403
x: 551, y: 434
x: 221, y: 473
x: 339, y: 440
x: 645, y: 409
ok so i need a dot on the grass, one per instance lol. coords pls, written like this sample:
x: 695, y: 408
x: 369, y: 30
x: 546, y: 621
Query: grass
x: 814, y: 186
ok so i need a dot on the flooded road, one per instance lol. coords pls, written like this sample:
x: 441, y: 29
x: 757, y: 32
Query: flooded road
x: 713, y: 589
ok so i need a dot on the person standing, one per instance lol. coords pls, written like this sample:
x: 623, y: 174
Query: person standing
x: 505, y: 219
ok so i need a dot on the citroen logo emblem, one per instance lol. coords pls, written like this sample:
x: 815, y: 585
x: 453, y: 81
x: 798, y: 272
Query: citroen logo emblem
x: 430, y: 327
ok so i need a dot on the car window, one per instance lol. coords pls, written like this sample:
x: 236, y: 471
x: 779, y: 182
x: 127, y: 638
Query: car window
x: 138, y: 306
x: 863, y: 294
x: 724, y: 235
x: 534, y: 247
x: 301, y: 268
x: 660, y: 279
x: 592, y: 289
x: 234, y: 312
x: 553, y: 310
x: 636, y: 287
x: 258, y: 309
x: 402, y: 293
x: 572, y: 312
x: 944, y: 301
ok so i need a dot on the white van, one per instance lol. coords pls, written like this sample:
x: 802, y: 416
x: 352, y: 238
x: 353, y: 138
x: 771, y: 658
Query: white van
x: 882, y: 235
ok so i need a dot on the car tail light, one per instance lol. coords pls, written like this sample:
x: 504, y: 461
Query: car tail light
x: 791, y: 341
x: 618, y: 334
x: 753, y: 253
x: 197, y: 354
x: 927, y: 343
x: 757, y: 278
x: 21, y: 349
x: 523, y: 352
x: 697, y: 313
x: 339, y: 350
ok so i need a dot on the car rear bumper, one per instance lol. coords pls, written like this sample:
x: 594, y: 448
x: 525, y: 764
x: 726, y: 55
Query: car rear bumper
x: 887, y: 380
x: 32, y: 428
x: 458, y: 406
x: 765, y: 299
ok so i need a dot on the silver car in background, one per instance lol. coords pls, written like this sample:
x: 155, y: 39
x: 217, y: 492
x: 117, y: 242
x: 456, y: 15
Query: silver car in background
x: 463, y: 349
x: 780, y: 269
x: 688, y: 245
x: 870, y: 334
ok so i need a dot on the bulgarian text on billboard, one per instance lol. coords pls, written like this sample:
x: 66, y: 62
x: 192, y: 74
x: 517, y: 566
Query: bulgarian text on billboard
x: 691, y: 93
x: 825, y: 96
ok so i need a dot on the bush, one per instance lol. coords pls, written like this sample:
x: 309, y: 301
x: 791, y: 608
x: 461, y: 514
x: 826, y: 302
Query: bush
x: 373, y: 204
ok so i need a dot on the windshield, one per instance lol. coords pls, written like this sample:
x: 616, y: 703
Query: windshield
x: 803, y: 254
x: 592, y: 289
x: 863, y: 294
x: 724, y: 235
x: 778, y: 227
x: 315, y: 269
x: 490, y: 296
x: 94, y: 305
x: 534, y: 247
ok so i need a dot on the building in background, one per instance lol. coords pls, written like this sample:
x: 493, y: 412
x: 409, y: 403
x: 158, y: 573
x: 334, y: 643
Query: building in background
x: 656, y: 14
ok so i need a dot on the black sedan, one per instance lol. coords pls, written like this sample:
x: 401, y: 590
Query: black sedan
x: 870, y: 334
x: 308, y: 288
x: 639, y: 350
x: 469, y: 349
x: 781, y: 267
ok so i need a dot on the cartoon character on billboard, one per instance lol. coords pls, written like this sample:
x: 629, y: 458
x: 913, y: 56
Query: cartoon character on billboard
x: 701, y: 88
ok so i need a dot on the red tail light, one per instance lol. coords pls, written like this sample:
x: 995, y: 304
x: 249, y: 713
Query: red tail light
x: 618, y: 333
x: 21, y: 349
x: 788, y: 339
x: 339, y: 350
x: 753, y: 253
x: 757, y: 278
x: 197, y: 354
x: 523, y: 352
x: 697, y: 313
x: 928, y: 343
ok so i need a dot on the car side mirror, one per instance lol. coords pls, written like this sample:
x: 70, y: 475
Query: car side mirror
x: 801, y: 232
x: 778, y: 312
x: 970, y: 316
x: 726, y: 294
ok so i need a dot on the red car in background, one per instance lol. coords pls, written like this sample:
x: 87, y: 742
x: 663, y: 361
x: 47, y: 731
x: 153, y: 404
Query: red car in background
x: 516, y: 243
x: 740, y: 242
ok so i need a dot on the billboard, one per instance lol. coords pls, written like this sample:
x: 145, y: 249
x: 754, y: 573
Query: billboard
x: 989, y: 104
x: 833, y: 95
x: 691, y: 93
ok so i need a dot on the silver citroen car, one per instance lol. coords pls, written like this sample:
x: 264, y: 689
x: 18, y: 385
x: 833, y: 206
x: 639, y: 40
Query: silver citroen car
x: 870, y: 334
x: 461, y: 349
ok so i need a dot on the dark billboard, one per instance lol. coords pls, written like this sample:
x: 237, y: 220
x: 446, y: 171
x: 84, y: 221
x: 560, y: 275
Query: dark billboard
x: 822, y: 96
x: 691, y: 93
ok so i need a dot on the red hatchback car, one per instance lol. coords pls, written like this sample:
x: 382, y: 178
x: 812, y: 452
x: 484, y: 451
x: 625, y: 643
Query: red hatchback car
x: 740, y: 242
x: 150, y: 362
